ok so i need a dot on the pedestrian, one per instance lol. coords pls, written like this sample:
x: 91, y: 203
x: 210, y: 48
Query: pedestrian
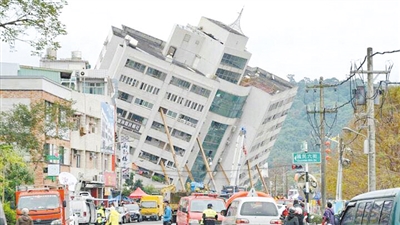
x: 291, y: 218
x: 25, y: 219
x: 298, y: 211
x: 306, y: 215
x: 113, y: 218
x: 167, y: 219
x: 210, y: 216
x: 329, y: 215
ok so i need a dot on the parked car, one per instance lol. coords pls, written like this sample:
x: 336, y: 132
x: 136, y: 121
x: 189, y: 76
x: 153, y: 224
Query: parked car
x: 134, y: 212
x: 252, y: 210
x: 375, y: 207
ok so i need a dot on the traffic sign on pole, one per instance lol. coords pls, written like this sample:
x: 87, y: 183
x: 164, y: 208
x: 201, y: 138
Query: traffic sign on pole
x: 309, y: 157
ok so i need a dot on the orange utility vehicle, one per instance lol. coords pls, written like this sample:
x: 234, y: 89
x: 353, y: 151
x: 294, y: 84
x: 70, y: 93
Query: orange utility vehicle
x: 47, y: 205
x: 190, y: 210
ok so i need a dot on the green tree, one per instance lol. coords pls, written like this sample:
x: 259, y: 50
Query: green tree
x: 355, y: 179
x: 33, y: 21
x: 29, y: 127
x: 13, y: 171
x: 150, y: 189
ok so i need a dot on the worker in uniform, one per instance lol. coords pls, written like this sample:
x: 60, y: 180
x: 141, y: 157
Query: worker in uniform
x: 209, y: 215
x: 101, y: 215
x: 113, y: 218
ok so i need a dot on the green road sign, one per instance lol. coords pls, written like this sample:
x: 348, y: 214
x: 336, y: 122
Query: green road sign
x: 52, y: 157
x: 309, y: 157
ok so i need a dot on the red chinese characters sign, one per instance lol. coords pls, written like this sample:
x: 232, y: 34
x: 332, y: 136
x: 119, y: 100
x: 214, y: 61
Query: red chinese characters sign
x: 110, y: 179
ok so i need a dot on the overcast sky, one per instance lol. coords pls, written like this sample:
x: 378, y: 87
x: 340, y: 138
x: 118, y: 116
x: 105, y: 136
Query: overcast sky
x: 305, y: 38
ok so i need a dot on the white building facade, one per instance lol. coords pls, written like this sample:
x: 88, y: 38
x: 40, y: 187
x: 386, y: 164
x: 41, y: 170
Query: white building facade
x: 200, y: 86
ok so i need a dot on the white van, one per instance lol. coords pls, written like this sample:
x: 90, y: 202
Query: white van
x: 251, y: 210
x: 84, y: 209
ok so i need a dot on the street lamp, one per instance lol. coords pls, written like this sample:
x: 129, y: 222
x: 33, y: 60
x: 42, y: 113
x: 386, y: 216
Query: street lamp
x: 356, y: 132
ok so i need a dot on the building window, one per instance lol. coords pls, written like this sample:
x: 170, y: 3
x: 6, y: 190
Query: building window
x: 61, y: 153
x: 179, y: 82
x: 228, y: 75
x: 144, y: 103
x: 171, y: 114
x: 174, y: 98
x: 156, y: 73
x: 93, y: 88
x: 78, y: 160
x: 125, y: 96
x: 121, y: 112
x: 136, y: 118
x: 211, y: 143
x: 233, y: 61
x: 200, y: 90
x: 228, y: 105
x: 186, y: 38
x: 129, y: 80
x: 135, y: 65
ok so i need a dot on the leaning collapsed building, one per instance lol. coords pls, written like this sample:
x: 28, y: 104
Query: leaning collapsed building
x: 199, y: 85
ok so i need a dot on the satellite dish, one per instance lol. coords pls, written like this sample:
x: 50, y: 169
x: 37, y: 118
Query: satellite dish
x: 66, y: 178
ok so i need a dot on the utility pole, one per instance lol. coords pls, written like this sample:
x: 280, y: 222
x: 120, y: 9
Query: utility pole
x: 340, y: 170
x: 322, y: 111
x: 371, y: 119
x: 305, y: 148
x: 371, y: 123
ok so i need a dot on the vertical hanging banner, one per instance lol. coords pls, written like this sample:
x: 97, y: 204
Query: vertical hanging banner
x: 125, y: 156
x: 107, y: 128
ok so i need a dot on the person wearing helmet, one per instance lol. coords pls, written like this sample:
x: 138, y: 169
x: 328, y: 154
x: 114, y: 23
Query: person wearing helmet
x: 299, y: 211
x: 209, y: 215
x: 291, y: 218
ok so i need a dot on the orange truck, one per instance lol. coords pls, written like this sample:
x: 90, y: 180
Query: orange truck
x: 47, y: 205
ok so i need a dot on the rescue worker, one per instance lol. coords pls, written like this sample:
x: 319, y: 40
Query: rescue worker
x: 210, y: 216
x: 101, y: 215
x: 113, y: 218
x: 167, y: 219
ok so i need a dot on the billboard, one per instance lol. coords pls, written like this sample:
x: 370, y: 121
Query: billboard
x: 107, y: 128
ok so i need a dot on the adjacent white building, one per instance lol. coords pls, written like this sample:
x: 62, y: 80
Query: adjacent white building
x: 80, y: 152
x: 200, y: 86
